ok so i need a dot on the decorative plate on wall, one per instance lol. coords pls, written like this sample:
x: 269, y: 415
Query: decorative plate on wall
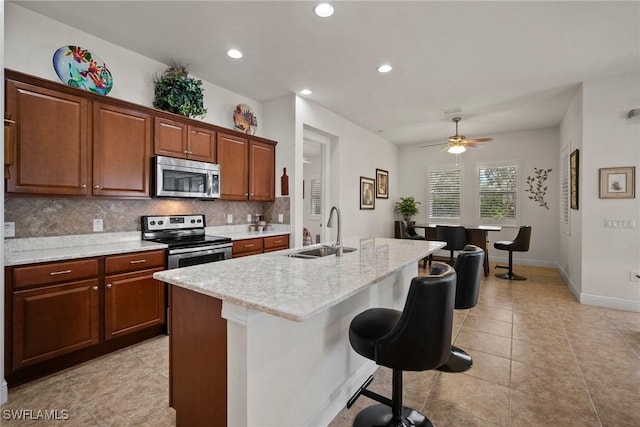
x: 78, y: 67
x: 244, y: 119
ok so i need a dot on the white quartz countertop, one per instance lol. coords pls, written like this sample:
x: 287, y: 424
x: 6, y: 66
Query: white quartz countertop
x: 295, y: 288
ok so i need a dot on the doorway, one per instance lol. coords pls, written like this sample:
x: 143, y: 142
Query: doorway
x: 315, y: 185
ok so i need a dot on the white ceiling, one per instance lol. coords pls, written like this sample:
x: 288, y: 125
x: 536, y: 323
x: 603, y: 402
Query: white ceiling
x: 508, y: 65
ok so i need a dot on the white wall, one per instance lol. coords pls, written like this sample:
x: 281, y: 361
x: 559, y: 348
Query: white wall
x: 570, y: 261
x: 355, y: 152
x: 532, y: 148
x: 31, y: 40
x: 610, y: 140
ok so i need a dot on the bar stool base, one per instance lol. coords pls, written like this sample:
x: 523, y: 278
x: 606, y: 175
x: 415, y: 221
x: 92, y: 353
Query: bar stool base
x: 380, y: 416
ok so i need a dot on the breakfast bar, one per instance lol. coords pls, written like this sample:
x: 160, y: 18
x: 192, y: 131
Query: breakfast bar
x: 263, y: 340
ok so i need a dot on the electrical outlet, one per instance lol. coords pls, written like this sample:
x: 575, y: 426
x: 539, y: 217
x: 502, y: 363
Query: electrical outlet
x: 98, y: 225
x: 280, y: 218
x: 635, y: 276
x: 229, y: 219
x: 248, y: 217
x: 9, y: 229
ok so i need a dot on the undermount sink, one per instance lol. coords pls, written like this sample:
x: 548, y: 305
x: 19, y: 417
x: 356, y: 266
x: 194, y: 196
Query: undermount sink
x: 319, y: 252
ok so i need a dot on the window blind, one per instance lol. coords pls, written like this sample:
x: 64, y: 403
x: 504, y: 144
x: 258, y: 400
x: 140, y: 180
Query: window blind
x: 444, y: 192
x: 315, y: 197
x: 498, y: 191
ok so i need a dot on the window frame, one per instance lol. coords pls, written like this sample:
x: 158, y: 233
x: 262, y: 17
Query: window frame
x: 518, y: 192
x: 437, y: 168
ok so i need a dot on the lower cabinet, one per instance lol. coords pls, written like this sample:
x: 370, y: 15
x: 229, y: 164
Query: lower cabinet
x: 62, y: 313
x: 259, y: 245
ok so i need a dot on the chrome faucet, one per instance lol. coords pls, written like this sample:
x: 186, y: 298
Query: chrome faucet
x: 338, y: 244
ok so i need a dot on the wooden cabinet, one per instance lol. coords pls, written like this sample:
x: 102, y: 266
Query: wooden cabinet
x: 61, y: 313
x: 177, y: 139
x: 276, y: 243
x: 259, y: 245
x: 53, y: 313
x: 68, y: 143
x: 133, y: 300
x: 121, y: 151
x: 247, y: 247
x: 247, y: 168
x: 53, y: 150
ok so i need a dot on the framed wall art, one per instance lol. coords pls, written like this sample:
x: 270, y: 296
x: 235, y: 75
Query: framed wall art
x: 574, y: 169
x: 367, y: 193
x: 382, y: 184
x: 618, y: 183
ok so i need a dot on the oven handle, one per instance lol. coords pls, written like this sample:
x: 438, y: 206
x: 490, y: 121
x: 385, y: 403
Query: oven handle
x: 201, y: 249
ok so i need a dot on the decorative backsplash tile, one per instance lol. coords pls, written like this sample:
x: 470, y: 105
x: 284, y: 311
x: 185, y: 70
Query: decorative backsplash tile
x: 48, y: 216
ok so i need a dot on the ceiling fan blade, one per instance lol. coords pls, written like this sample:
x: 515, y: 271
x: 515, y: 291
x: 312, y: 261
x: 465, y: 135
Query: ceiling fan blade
x: 445, y: 148
x: 479, y: 139
x: 434, y: 145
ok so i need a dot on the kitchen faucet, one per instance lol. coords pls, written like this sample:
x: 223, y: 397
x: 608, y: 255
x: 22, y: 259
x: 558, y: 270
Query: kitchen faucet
x: 338, y: 244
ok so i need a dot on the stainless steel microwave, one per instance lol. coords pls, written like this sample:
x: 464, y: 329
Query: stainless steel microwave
x: 186, y: 178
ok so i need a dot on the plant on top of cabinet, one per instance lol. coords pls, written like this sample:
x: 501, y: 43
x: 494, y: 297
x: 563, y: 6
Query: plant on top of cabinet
x: 178, y: 93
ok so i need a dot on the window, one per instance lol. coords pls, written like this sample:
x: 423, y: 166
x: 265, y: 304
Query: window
x: 498, y: 191
x: 444, y: 192
x: 315, y: 197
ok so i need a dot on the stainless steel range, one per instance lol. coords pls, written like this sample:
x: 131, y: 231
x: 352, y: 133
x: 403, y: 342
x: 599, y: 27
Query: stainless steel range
x: 186, y: 238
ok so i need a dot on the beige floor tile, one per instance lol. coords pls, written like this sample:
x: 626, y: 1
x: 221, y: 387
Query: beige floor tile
x: 502, y: 315
x: 551, y: 356
x: 443, y: 414
x: 539, y: 335
x: 488, y: 367
x: 533, y: 410
x: 495, y: 327
x: 482, y: 341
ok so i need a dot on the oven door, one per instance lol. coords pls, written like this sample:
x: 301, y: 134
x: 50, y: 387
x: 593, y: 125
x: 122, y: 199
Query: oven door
x: 184, y: 257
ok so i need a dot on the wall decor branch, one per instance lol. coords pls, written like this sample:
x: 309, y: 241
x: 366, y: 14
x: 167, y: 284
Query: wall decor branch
x: 536, y: 186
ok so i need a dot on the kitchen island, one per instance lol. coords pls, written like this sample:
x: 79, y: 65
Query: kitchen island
x: 263, y: 340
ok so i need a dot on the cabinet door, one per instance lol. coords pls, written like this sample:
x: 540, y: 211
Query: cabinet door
x: 54, y: 320
x: 201, y: 144
x: 247, y: 247
x: 262, y: 169
x: 276, y: 243
x: 132, y: 302
x: 233, y: 159
x: 121, y: 151
x: 52, y: 152
x: 169, y: 138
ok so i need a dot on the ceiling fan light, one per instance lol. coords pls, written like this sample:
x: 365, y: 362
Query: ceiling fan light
x: 456, y: 149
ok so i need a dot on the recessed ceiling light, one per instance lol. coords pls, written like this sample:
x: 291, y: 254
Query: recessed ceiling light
x: 385, y: 68
x: 234, y: 53
x: 324, y: 10
x: 305, y: 92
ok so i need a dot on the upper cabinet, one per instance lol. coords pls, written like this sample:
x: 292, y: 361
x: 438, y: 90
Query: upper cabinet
x: 178, y: 139
x: 53, y: 151
x: 121, y: 147
x: 247, y: 168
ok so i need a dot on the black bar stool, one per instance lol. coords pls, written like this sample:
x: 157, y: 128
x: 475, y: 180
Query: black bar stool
x: 519, y: 244
x: 454, y: 236
x: 415, y: 339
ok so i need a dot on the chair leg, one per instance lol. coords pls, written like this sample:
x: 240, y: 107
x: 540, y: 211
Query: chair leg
x: 509, y: 275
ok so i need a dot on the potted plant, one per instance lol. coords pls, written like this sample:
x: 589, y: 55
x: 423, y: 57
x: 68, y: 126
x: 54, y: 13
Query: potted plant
x: 407, y: 207
x: 178, y: 93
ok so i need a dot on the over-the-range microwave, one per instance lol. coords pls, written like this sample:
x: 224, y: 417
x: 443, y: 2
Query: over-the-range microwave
x: 186, y: 178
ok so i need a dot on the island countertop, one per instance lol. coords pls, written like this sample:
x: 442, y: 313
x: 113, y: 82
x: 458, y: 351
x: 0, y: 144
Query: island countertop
x: 296, y: 288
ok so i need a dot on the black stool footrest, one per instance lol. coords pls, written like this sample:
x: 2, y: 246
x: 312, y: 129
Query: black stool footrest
x: 357, y: 394
x: 380, y: 416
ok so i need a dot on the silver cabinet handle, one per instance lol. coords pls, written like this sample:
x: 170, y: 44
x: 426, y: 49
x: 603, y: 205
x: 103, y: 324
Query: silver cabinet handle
x: 96, y: 186
x: 137, y: 261
x: 248, y: 246
x: 83, y: 186
x: 186, y: 152
x: 56, y: 273
x: 95, y: 288
x: 109, y: 285
x: 277, y: 241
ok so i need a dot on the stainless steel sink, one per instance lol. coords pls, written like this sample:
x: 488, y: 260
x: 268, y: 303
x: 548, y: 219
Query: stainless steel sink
x: 319, y: 252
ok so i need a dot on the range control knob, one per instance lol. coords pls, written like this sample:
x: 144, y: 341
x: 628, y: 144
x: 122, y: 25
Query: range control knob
x: 193, y: 221
x: 160, y: 222
x: 152, y: 223
x: 199, y: 221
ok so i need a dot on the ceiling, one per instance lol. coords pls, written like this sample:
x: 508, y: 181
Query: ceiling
x: 508, y: 65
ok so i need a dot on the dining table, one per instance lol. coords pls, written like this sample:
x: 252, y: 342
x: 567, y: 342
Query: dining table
x: 476, y: 235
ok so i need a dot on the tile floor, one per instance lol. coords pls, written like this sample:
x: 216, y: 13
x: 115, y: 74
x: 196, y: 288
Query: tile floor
x: 540, y: 358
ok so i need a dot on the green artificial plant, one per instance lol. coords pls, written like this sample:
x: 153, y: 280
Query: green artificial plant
x: 407, y: 207
x: 178, y: 93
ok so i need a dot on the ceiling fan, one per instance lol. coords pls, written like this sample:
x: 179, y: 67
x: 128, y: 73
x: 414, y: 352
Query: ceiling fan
x: 458, y: 143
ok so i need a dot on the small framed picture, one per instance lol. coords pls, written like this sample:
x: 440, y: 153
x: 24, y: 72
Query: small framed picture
x: 618, y: 183
x: 382, y: 184
x: 367, y: 193
x: 574, y: 167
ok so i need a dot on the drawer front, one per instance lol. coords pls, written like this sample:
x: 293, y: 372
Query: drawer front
x: 134, y: 261
x: 55, y: 272
x: 247, y: 247
x: 276, y: 243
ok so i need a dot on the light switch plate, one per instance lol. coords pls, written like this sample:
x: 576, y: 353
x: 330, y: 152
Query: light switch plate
x: 9, y: 229
x: 248, y: 217
x: 98, y: 225
x: 280, y: 218
x: 229, y: 219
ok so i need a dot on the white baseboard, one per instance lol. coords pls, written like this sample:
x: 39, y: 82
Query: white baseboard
x: 608, y: 302
x: 4, y: 392
x: 572, y: 285
x: 328, y: 412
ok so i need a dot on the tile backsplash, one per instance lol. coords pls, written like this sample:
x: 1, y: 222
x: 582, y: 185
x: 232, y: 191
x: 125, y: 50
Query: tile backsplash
x: 50, y: 216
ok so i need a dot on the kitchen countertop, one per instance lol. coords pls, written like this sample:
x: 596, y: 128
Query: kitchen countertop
x: 295, y: 288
